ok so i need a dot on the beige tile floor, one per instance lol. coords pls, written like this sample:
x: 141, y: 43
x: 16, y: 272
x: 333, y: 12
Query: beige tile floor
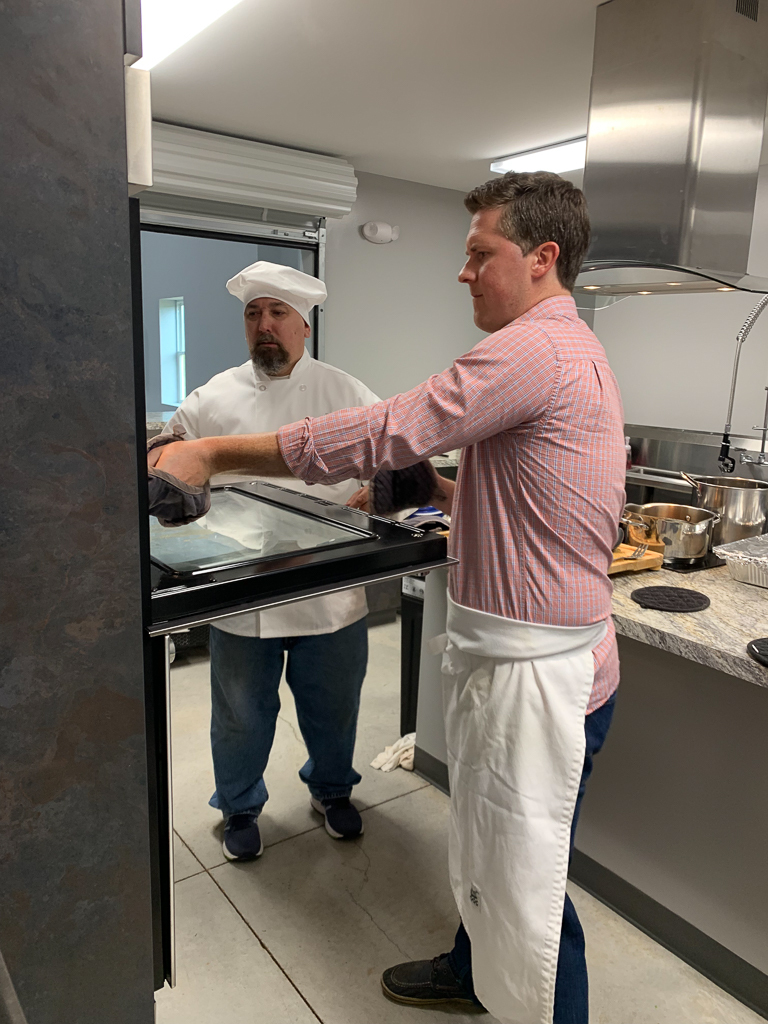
x: 302, y: 934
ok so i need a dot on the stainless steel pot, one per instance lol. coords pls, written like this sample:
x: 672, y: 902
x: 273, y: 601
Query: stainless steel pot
x: 742, y: 505
x: 684, y: 531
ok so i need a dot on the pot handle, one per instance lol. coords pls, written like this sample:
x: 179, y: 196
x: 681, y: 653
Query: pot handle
x: 633, y: 522
x: 691, y: 481
x: 707, y: 524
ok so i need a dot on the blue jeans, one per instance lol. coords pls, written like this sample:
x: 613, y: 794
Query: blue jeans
x: 325, y: 674
x: 571, y: 989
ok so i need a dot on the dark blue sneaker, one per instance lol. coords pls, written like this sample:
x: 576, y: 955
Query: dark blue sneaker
x: 342, y: 818
x: 242, y: 840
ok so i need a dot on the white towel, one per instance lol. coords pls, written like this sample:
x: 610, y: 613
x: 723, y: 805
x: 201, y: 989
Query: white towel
x: 399, y: 755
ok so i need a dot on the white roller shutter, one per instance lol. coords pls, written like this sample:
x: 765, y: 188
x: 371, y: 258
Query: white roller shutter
x: 203, y: 165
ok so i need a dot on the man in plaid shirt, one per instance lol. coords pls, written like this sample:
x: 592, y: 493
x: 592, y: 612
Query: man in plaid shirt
x: 531, y: 661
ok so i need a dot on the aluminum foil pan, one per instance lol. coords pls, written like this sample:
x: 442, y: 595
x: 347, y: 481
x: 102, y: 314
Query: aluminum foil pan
x: 747, y: 559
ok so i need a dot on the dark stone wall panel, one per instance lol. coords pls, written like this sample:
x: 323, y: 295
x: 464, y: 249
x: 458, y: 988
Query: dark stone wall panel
x: 74, y: 858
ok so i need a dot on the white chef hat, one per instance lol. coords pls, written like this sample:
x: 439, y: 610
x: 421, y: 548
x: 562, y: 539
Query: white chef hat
x: 272, y: 281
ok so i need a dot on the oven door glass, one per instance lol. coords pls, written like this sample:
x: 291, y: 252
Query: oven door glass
x: 238, y: 529
x: 262, y: 545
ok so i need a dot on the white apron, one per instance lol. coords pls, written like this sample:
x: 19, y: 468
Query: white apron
x: 515, y: 696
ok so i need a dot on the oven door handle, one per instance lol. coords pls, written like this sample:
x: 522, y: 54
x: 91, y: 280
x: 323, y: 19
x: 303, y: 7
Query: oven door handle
x: 170, y: 654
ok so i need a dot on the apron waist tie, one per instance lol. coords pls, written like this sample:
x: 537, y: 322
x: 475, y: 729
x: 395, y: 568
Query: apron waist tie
x: 495, y: 636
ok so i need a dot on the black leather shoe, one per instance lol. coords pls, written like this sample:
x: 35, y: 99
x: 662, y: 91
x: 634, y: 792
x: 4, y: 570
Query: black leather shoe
x: 424, y: 983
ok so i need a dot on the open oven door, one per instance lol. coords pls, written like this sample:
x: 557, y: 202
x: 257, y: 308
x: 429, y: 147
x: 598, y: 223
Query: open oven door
x: 259, y: 546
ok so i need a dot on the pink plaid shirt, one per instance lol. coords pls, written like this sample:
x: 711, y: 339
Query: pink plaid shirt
x: 538, y: 414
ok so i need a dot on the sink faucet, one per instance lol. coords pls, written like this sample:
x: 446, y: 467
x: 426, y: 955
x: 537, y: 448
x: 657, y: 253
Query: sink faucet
x: 727, y: 463
x: 761, y: 459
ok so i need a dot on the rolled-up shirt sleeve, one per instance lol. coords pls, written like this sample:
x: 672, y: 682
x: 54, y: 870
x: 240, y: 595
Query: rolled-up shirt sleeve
x: 507, y: 380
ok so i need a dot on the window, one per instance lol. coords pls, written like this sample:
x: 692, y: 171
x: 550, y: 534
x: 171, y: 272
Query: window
x: 173, y: 356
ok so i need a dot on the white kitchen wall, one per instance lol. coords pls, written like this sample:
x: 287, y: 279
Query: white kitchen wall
x: 672, y: 356
x: 396, y: 313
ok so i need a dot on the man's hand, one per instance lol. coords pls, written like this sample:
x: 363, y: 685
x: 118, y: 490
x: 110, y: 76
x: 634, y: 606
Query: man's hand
x: 360, y: 499
x: 188, y: 461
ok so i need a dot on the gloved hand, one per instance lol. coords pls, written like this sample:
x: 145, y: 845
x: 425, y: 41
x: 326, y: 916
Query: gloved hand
x: 393, y: 490
x: 171, y: 501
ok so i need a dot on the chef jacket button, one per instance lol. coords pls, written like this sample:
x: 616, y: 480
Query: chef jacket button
x: 303, y: 387
x: 262, y: 387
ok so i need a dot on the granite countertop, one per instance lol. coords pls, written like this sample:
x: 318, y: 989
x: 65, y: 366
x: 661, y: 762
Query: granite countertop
x: 716, y: 637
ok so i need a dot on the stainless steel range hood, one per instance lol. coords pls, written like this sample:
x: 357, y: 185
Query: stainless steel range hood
x: 677, y: 114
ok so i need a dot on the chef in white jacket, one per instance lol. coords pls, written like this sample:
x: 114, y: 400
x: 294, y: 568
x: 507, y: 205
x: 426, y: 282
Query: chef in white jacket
x: 325, y: 638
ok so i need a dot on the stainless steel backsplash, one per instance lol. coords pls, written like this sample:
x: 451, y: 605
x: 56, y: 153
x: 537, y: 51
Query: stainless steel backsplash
x: 659, y: 453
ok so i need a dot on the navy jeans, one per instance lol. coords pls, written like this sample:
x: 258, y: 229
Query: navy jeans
x: 571, y: 989
x: 325, y: 674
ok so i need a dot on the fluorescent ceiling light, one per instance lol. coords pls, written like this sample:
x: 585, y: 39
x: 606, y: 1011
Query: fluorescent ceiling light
x: 565, y: 156
x: 168, y: 24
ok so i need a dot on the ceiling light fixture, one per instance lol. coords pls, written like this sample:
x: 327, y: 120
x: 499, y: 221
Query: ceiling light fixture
x: 644, y: 293
x: 591, y: 287
x: 565, y: 156
x: 724, y: 289
x: 168, y: 24
x: 673, y: 284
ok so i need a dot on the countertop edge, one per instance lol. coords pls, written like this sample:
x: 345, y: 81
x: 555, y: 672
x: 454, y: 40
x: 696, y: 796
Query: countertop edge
x: 691, y: 650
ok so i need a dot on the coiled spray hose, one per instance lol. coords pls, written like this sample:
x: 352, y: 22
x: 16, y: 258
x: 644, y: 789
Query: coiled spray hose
x: 727, y: 464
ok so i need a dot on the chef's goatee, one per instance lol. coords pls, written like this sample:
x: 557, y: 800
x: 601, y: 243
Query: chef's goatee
x: 270, y: 360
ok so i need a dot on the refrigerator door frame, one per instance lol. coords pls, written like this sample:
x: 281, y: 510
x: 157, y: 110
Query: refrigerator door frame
x: 196, y: 226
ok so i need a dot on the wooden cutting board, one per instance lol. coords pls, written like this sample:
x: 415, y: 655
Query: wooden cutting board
x: 621, y: 563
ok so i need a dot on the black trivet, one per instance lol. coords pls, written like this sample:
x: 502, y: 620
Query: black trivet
x: 758, y: 649
x: 671, y: 599
x: 712, y: 561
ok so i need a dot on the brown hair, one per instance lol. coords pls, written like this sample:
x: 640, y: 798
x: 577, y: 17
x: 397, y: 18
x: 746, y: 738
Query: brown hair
x: 539, y: 207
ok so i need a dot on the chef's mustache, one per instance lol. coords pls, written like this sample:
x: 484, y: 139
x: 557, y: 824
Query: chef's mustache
x: 266, y: 338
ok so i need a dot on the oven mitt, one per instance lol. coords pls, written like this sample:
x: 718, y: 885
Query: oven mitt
x: 393, y: 490
x: 171, y: 501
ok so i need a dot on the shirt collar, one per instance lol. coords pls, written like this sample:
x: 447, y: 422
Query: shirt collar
x: 299, y: 370
x: 555, y: 306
